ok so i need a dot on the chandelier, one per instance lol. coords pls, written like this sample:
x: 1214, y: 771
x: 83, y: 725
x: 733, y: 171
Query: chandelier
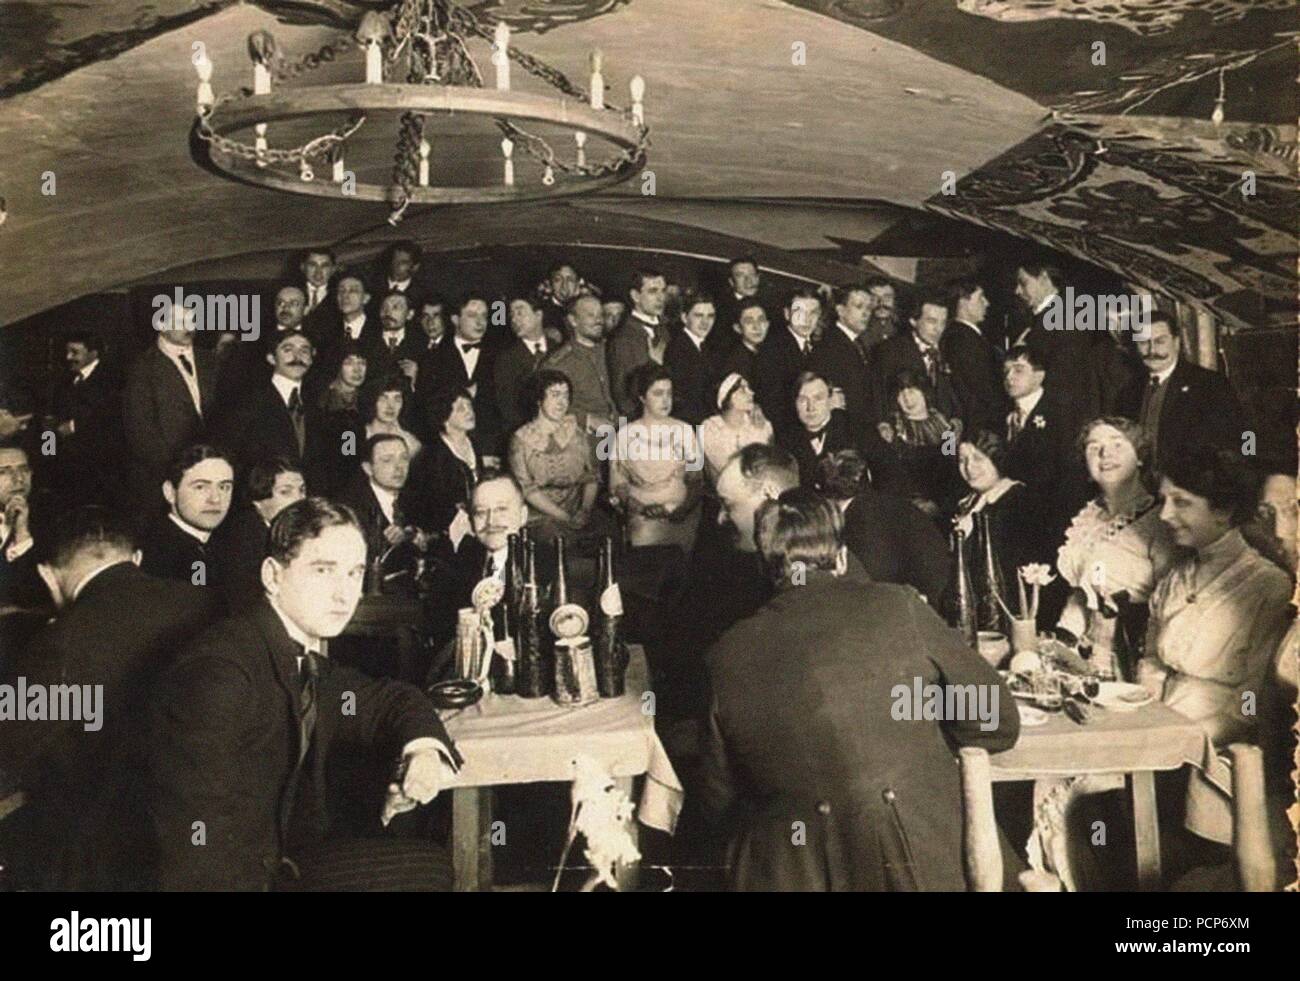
x: 418, y: 68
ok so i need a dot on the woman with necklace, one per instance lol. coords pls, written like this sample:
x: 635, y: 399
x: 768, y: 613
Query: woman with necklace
x: 1116, y: 548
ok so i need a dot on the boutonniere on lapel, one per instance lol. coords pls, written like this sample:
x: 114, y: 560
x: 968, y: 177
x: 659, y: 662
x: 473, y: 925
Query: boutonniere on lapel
x: 1040, y: 422
x: 1185, y: 388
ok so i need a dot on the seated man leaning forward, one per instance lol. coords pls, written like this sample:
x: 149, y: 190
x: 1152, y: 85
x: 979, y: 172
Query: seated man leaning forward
x: 836, y: 710
x: 243, y: 726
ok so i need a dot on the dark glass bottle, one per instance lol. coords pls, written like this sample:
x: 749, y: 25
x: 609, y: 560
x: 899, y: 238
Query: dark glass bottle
x: 505, y: 633
x: 990, y: 615
x: 965, y: 619
x: 531, y: 678
x: 611, y: 649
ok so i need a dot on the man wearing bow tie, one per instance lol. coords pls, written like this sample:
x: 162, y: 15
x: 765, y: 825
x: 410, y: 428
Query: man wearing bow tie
x: 641, y: 338
x: 463, y: 364
x: 917, y: 350
x: 244, y: 725
x: 520, y: 361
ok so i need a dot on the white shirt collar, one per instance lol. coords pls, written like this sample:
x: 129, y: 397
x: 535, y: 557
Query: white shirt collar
x: 1045, y: 302
x: 87, y: 371
x: 355, y: 323
x: 499, y: 561
x: 1027, y: 403
x: 697, y: 341
x: 402, y: 285
x: 846, y: 331
x: 386, y: 498
x: 974, y: 327
x: 646, y: 322
x: 1163, y: 376
x: 802, y: 342
x: 400, y: 334
x: 536, y: 345
x: 296, y: 633
x: 285, y: 386
x: 76, y: 590
x: 174, y: 351
x: 189, y: 529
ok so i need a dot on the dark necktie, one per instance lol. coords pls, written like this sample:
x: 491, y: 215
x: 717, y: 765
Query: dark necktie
x: 308, y: 683
x: 76, y: 379
x: 1148, y: 394
x: 931, y: 358
x: 392, y: 342
x: 468, y: 346
x: 299, y: 423
x: 185, y: 363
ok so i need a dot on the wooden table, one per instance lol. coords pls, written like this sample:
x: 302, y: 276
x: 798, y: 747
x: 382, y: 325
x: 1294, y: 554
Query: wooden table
x: 512, y: 740
x: 1135, y: 743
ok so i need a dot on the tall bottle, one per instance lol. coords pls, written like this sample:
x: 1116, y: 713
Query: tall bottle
x: 611, y: 650
x: 530, y: 665
x: 990, y: 615
x: 575, y: 669
x: 965, y: 594
x: 505, y: 630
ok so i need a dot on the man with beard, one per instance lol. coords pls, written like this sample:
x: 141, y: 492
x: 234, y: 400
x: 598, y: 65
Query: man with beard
x: 884, y: 312
x: 399, y: 349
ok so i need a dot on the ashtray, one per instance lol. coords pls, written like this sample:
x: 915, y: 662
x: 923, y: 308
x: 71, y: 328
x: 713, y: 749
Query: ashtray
x: 454, y: 694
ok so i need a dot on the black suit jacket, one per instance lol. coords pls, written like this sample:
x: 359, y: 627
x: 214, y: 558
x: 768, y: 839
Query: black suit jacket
x: 86, y: 458
x: 1066, y: 355
x: 976, y: 376
x: 171, y: 553
x: 779, y: 364
x: 844, y: 363
x: 239, y: 546
x: 159, y: 417
x: 443, y: 368
x: 805, y: 727
x: 694, y: 376
x: 900, y: 352
x: 1044, y: 459
x: 260, y: 427
x: 225, y: 750
x: 1200, y: 408
x: 20, y: 584
x: 514, y: 367
x: 87, y: 788
x: 626, y: 349
x: 897, y: 543
x: 885, y: 471
x: 382, y: 362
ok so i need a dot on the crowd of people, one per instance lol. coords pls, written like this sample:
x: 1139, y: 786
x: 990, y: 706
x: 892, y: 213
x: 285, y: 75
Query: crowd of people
x: 380, y: 435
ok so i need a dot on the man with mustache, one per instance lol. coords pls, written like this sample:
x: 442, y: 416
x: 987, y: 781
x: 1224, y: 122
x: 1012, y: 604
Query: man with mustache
x: 399, y: 347
x: 276, y: 419
x: 243, y: 365
x: 1180, y: 404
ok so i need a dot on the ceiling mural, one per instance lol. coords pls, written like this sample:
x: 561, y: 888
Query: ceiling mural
x: 1139, y: 16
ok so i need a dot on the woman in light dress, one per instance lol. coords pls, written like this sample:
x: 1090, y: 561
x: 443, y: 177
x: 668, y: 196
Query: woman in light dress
x: 655, y: 473
x: 738, y: 423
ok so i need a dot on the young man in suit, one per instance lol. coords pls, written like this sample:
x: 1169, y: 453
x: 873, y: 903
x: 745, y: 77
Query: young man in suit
x: 276, y: 418
x: 841, y: 360
x: 245, y: 723
x: 376, y: 496
x: 463, y: 363
x: 973, y: 360
x: 317, y: 267
x: 117, y: 628
x: 690, y: 362
x: 784, y: 355
x: 239, y: 542
x: 823, y: 431
x: 398, y: 268
x: 805, y: 728
x: 918, y: 349
x: 350, y: 320
x: 642, y: 337
x: 198, y: 491
x: 84, y: 415
x: 1180, y: 404
x: 744, y: 286
x: 520, y: 361
x: 170, y: 394
x: 749, y: 332
x: 1065, y: 353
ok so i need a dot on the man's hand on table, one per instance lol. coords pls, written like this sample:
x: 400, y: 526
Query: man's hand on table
x: 423, y: 773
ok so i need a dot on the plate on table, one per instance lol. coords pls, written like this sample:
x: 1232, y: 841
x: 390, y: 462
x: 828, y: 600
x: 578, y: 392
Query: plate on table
x: 1030, y: 716
x: 1121, y: 696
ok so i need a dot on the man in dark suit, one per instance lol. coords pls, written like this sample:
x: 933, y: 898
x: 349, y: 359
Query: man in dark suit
x: 840, y: 359
x: 245, y: 723
x: 1040, y: 444
x: 117, y: 628
x: 276, y: 419
x: 690, y: 363
x: 744, y: 286
x: 350, y: 320
x: 85, y: 416
x: 376, y: 497
x: 815, y: 727
x: 749, y: 333
x: 317, y: 267
x: 973, y: 360
x: 1117, y: 370
x: 894, y: 541
x: 823, y: 431
x: 884, y: 312
x: 198, y: 490
x: 786, y: 352
x: 917, y: 350
x: 20, y: 586
x: 1180, y: 404
x: 170, y: 393
x: 520, y: 361
x: 239, y: 542
x: 642, y: 337
x: 1064, y: 351
x: 399, y: 348
x: 464, y: 363
x: 398, y: 271
x: 243, y: 366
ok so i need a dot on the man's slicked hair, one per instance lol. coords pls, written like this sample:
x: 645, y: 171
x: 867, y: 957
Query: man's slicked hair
x: 800, y: 529
x: 764, y: 462
x: 641, y: 275
x: 304, y: 520
x: 192, y: 456
x: 91, y: 529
